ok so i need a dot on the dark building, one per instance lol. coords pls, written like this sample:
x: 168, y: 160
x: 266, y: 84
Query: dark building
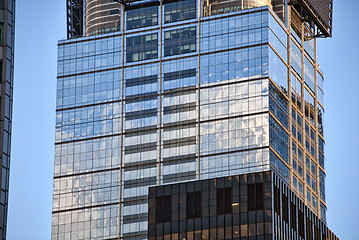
x: 248, y: 206
x: 7, y: 30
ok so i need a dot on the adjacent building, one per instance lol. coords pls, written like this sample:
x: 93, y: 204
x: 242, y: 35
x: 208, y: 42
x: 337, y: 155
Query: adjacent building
x: 169, y: 111
x: 7, y: 43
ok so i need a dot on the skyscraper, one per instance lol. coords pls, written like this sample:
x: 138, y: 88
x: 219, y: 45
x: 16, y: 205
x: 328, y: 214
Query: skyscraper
x: 7, y: 31
x: 223, y: 94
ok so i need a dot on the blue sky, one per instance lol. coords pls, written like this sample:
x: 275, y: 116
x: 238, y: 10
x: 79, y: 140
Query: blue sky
x: 41, y: 23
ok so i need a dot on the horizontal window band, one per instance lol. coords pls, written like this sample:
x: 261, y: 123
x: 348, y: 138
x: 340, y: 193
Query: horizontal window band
x: 88, y: 105
x: 140, y: 95
x: 165, y: 125
x: 235, y: 151
x: 174, y: 124
x: 140, y: 182
x: 141, y: 80
x: 88, y: 139
x: 146, y: 128
x: 137, y: 233
x: 179, y: 161
x: 180, y: 142
x: 87, y: 207
x: 136, y: 202
x: 141, y: 99
x: 166, y: 162
x: 180, y: 108
x: 180, y: 91
x: 141, y: 133
x: 141, y: 148
x: 166, y: 159
x: 180, y: 74
x: 133, y: 164
x: 140, y: 166
x: 179, y: 127
x: 128, y: 200
x: 141, y: 114
x: 86, y: 173
x: 135, y: 218
x: 167, y: 60
x: 192, y: 155
x: 179, y: 177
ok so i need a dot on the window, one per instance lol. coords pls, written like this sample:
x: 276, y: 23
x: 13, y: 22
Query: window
x: 114, y: 11
x: 279, y: 139
x: 179, y: 11
x: 255, y: 197
x: 224, y: 200
x: 276, y: 200
x: 285, y: 210
x: 279, y: 113
x: 194, y: 204
x: 296, y: 57
x: 142, y: 17
x: 293, y: 216
x: 279, y: 165
x: 322, y: 185
x: 142, y: 47
x: 180, y: 41
x: 163, y: 209
x: 309, y: 74
x: 1, y: 33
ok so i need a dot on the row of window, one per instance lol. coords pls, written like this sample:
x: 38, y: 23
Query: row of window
x: 196, y: 202
x: 145, y: 15
x: 144, y: 47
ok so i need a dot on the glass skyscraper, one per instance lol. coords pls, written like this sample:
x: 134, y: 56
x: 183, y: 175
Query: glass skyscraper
x: 7, y: 44
x: 188, y: 91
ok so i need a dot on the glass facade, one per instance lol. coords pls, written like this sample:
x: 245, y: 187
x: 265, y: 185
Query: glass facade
x: 181, y: 93
x: 7, y: 44
x: 247, y: 206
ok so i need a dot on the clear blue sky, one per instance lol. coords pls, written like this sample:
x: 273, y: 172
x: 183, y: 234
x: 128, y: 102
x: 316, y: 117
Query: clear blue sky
x: 41, y: 23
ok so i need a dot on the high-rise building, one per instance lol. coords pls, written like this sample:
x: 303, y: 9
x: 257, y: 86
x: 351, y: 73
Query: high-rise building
x: 215, y: 106
x: 7, y: 32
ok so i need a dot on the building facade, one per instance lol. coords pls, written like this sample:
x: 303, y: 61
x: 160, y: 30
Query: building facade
x: 7, y: 43
x: 185, y: 91
x: 248, y: 206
